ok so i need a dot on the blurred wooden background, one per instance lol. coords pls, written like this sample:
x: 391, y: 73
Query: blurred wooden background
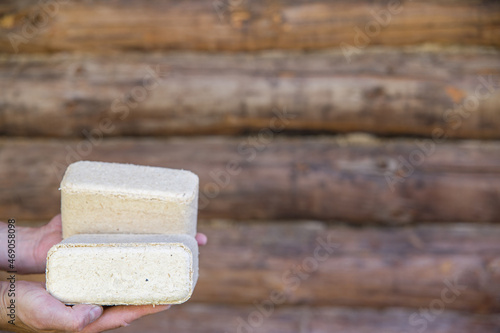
x: 347, y: 150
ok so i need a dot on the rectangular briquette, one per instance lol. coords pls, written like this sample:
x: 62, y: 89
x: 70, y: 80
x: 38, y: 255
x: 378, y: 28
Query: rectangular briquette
x: 123, y: 269
x: 99, y: 197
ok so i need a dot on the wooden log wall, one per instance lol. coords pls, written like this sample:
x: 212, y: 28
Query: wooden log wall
x: 368, y: 127
x: 355, y: 179
x: 244, y: 25
x: 394, y: 92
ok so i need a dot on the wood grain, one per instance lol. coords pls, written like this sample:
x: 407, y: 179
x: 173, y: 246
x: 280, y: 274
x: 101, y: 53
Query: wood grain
x: 385, y: 91
x: 242, y: 26
x: 354, y: 178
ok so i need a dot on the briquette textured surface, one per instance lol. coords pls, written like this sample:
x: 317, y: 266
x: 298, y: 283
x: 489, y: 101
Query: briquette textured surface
x: 113, y: 269
x: 99, y: 197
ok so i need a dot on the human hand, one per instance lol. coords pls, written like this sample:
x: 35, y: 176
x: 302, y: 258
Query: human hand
x: 38, y: 311
x: 32, y: 245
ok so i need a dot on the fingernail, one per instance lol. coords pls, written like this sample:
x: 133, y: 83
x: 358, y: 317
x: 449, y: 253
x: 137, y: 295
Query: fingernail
x: 202, y: 239
x: 95, y: 313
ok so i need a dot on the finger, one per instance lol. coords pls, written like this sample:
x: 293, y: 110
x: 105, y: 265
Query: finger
x: 41, y: 311
x: 55, y: 224
x: 201, y: 239
x: 123, y: 315
x: 51, y: 233
x: 47, y: 236
x: 34, y: 243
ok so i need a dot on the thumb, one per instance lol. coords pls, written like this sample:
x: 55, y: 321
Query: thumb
x: 41, y: 311
x: 71, y: 318
x: 83, y: 315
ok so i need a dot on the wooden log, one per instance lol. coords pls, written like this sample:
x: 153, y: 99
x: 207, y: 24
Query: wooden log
x: 320, y: 264
x: 388, y: 92
x: 354, y: 178
x: 456, y: 267
x: 242, y: 25
x: 212, y: 318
